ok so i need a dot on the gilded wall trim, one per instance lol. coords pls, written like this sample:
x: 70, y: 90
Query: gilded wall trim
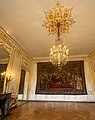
x: 71, y: 58
x: 22, y: 59
x: 26, y: 64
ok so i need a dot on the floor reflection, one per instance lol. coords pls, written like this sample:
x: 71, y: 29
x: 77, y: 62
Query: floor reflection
x: 19, y: 103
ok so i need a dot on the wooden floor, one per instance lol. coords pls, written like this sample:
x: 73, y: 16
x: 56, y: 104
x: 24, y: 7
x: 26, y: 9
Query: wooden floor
x: 53, y: 111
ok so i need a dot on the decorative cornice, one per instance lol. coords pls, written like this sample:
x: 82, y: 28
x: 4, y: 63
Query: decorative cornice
x: 10, y: 41
x: 71, y: 58
x: 4, y: 61
x: 5, y: 46
x: 78, y: 57
x: 26, y: 63
x: 41, y: 59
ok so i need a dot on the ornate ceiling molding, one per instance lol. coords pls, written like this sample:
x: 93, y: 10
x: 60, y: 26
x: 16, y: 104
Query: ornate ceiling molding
x: 71, y: 58
x: 11, y: 42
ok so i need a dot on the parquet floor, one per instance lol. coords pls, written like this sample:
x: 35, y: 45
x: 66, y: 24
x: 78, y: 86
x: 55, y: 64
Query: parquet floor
x: 53, y: 111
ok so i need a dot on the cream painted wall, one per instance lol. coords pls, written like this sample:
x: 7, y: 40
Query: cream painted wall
x: 89, y: 84
x: 20, y: 58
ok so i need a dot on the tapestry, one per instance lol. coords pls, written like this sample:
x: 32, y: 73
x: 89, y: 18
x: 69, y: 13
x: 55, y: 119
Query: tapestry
x: 69, y: 80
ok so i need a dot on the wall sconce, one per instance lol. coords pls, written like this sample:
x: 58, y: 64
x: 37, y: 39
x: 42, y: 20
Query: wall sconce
x: 7, y: 77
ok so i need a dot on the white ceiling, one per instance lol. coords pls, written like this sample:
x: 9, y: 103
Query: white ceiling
x: 23, y: 20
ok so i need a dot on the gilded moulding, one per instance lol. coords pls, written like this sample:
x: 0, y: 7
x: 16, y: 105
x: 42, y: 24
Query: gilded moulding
x: 11, y: 42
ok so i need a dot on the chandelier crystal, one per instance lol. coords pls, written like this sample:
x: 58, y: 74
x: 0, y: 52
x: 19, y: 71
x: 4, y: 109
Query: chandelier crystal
x: 58, y: 21
x: 59, y: 54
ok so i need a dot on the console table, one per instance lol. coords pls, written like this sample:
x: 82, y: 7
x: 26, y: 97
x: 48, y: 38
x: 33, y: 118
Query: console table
x: 4, y: 103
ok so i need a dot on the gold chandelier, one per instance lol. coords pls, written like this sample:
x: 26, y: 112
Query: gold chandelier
x: 58, y: 21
